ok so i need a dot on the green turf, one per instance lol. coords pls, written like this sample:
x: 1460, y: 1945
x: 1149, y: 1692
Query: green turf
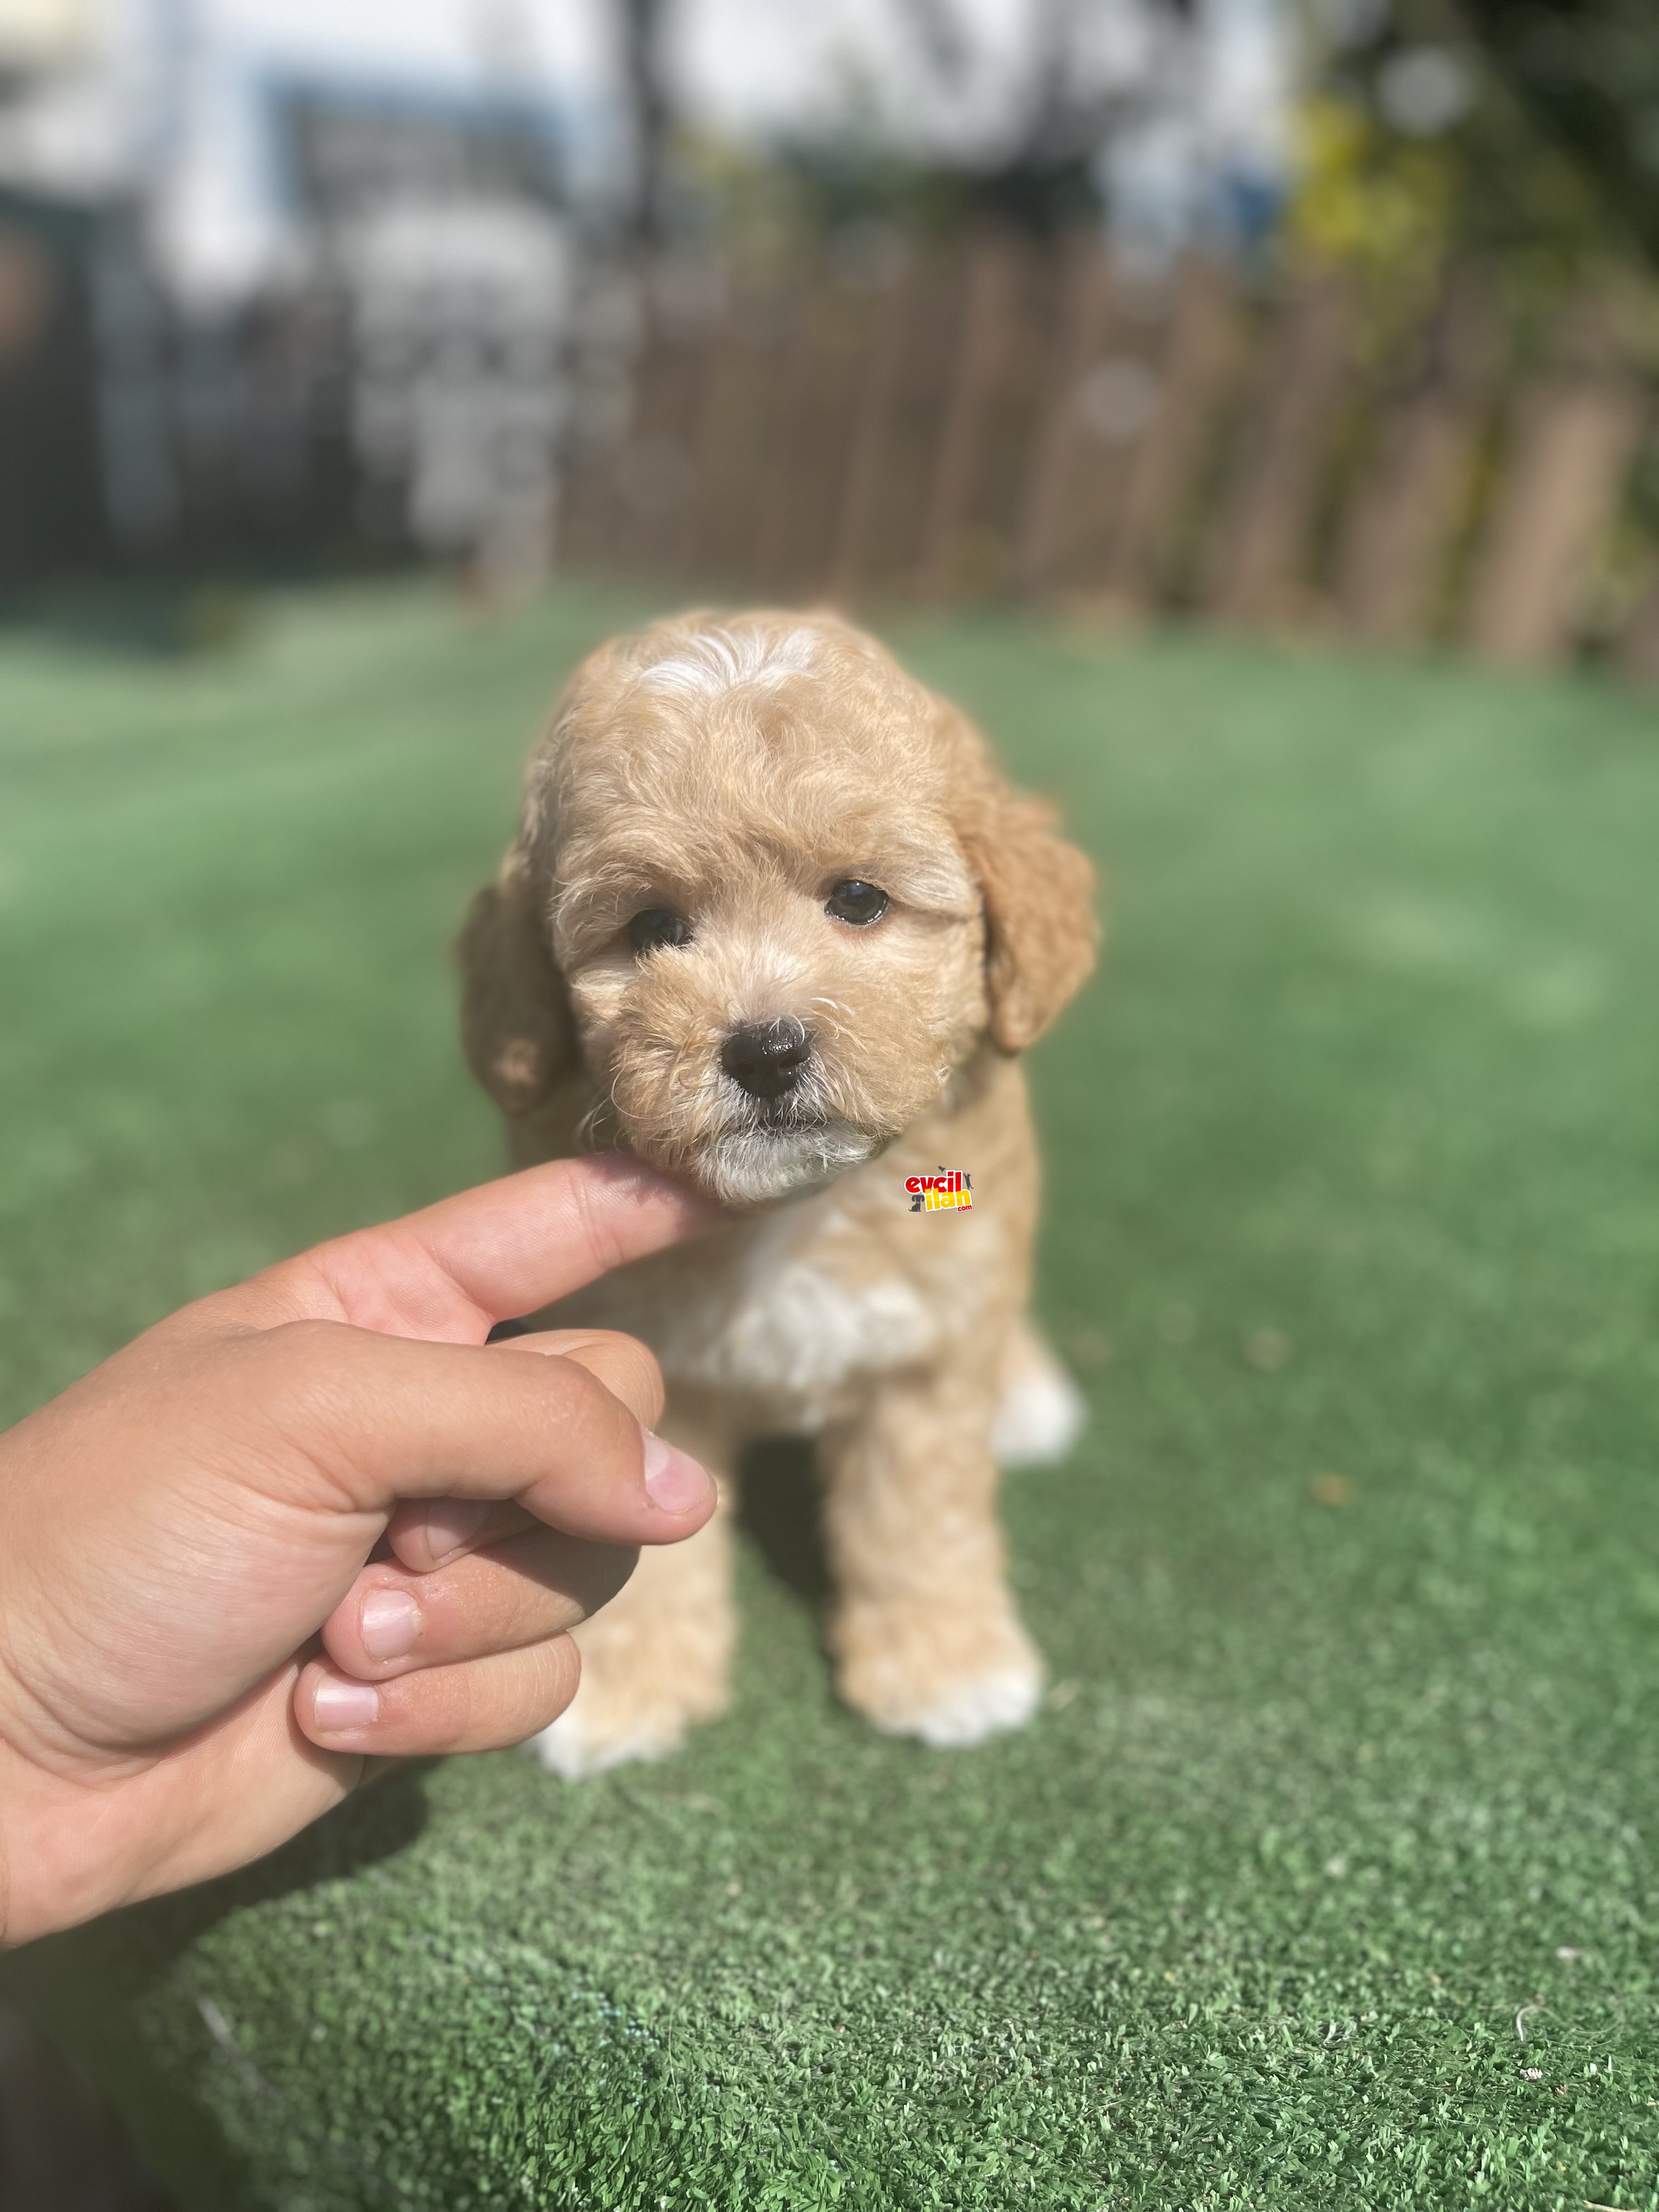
x: 1327, y: 1877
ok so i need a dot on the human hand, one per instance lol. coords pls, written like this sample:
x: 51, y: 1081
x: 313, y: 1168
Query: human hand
x: 196, y: 1660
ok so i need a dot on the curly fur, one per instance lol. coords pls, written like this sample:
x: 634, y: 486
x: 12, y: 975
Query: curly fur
x: 736, y: 768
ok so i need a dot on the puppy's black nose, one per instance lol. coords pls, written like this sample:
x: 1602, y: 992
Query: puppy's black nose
x: 767, y: 1057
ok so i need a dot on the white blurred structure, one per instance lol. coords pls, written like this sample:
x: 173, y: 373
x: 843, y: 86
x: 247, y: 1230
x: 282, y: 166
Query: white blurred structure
x: 416, y: 161
x: 462, y: 319
x: 428, y: 173
x: 1188, y: 110
x: 190, y: 106
x: 190, y: 101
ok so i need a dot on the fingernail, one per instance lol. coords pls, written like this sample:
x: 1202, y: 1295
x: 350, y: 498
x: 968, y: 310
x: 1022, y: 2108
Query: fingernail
x: 673, y: 1479
x: 452, y: 1522
x: 389, y: 1621
x: 344, y: 1705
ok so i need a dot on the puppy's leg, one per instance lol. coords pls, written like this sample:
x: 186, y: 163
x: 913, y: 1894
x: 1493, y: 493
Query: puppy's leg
x: 927, y: 1639
x: 658, y: 1658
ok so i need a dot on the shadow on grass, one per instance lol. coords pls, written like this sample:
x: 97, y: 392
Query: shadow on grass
x: 85, y: 1991
x: 779, y: 1512
x: 173, y: 613
x: 148, y: 621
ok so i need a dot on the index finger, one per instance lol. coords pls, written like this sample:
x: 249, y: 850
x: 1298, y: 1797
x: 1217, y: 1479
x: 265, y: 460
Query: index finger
x: 367, y: 1419
x: 423, y: 1534
x: 451, y: 1272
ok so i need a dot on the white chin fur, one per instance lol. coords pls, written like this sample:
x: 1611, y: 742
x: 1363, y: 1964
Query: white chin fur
x: 747, y: 1166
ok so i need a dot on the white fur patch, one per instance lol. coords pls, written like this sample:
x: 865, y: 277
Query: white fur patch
x: 565, y: 1748
x: 989, y: 1705
x: 1041, y: 1415
x: 719, y: 660
x: 803, y: 1334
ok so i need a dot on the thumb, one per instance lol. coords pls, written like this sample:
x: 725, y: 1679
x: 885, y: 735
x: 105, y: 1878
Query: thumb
x: 378, y: 1417
x: 422, y: 1533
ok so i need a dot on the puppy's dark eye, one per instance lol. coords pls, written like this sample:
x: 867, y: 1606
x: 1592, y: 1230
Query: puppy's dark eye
x: 658, y: 925
x: 856, y: 900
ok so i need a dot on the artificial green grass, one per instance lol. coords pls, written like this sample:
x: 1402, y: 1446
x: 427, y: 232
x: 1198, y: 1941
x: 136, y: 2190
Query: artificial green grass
x: 1326, y: 1876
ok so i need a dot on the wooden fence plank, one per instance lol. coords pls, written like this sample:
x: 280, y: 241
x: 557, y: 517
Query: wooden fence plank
x: 812, y: 438
x: 1117, y: 405
x: 986, y: 554
x: 999, y: 414
x: 734, y: 445
x: 1042, y: 533
x: 872, y: 431
x: 1404, y: 513
x: 1638, y: 647
x: 631, y: 502
x: 902, y: 458
x: 1200, y: 362
x: 1259, y: 534
x: 991, y: 279
x: 1574, y: 430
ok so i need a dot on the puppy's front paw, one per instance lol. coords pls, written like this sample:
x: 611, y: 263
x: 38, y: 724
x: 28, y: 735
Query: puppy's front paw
x: 948, y: 1678
x: 581, y: 1742
x: 647, y: 1678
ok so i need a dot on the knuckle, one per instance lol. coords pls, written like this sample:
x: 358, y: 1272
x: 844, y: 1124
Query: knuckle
x: 307, y: 1361
x: 309, y: 1382
x: 623, y: 1346
x: 587, y: 1408
x: 631, y: 1370
x: 308, y: 1343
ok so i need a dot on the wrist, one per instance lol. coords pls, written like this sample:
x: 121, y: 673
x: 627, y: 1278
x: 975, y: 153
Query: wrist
x: 22, y: 1850
x: 50, y: 1877
x: 16, y: 1912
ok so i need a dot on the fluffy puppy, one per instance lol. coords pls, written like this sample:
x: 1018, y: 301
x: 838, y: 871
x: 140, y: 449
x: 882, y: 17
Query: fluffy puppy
x: 773, y: 920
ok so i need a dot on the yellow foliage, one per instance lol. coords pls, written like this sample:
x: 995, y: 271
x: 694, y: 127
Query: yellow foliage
x: 1364, y: 197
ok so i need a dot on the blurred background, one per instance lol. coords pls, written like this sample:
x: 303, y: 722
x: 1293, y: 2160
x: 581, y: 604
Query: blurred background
x: 1324, y: 317
x: 1319, y: 314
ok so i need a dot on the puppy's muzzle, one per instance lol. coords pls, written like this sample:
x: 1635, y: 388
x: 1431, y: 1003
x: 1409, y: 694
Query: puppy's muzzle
x: 766, y: 1059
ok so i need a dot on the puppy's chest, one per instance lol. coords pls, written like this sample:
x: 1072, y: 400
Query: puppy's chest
x: 799, y: 1309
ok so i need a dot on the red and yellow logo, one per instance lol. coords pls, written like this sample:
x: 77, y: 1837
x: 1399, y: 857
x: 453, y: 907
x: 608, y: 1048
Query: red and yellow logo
x: 950, y: 1191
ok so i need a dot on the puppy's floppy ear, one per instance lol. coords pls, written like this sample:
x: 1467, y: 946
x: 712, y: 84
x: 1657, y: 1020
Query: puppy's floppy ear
x: 516, y: 1027
x: 1040, y: 928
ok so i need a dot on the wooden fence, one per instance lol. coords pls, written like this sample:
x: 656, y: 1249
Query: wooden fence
x: 1003, y: 420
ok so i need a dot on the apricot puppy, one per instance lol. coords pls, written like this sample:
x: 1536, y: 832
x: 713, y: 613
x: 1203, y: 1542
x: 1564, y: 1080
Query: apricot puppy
x: 773, y: 920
